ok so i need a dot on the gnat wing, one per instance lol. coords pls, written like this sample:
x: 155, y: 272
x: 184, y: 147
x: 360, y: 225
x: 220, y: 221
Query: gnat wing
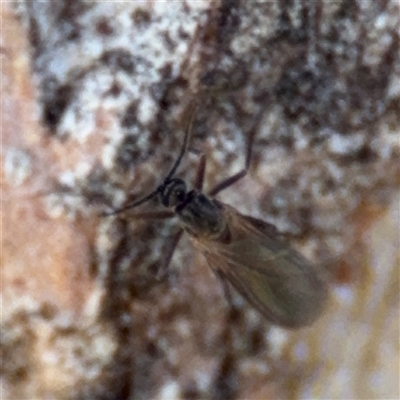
x: 277, y: 280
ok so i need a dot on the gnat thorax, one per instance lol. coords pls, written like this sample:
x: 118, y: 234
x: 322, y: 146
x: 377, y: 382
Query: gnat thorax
x: 201, y: 216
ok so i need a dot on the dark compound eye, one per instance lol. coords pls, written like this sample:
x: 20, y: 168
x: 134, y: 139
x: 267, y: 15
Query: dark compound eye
x: 180, y: 194
x: 174, y: 193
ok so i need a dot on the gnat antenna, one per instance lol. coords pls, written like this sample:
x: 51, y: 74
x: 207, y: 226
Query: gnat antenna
x: 167, y: 179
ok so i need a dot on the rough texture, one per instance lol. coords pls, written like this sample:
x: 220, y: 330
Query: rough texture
x: 95, y: 100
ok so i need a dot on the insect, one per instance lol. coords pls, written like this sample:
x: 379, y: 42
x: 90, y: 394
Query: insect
x: 246, y: 252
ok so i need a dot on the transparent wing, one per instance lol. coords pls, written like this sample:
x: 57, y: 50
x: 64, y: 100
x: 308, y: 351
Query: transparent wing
x: 277, y: 280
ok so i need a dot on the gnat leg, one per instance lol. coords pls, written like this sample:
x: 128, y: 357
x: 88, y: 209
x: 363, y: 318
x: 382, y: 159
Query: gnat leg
x: 201, y: 169
x: 151, y: 215
x: 220, y: 276
x: 241, y: 174
x: 227, y: 293
x: 170, y: 250
x: 227, y: 182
